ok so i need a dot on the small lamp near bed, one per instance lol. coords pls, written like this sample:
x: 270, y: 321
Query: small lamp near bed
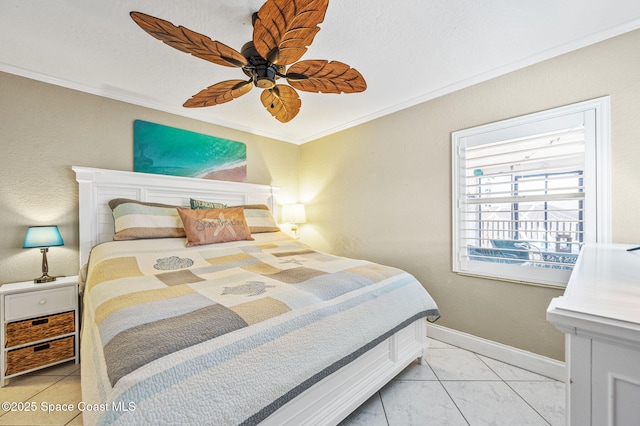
x: 43, y: 237
x: 295, y: 215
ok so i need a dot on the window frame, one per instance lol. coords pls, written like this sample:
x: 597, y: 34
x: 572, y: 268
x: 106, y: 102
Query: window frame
x: 595, y: 116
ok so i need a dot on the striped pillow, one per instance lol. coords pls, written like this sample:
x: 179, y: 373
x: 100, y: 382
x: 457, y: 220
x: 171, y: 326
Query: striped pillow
x: 259, y: 218
x: 138, y: 220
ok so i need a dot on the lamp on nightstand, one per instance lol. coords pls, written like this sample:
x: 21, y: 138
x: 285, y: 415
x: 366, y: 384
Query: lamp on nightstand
x: 43, y: 237
x: 294, y: 214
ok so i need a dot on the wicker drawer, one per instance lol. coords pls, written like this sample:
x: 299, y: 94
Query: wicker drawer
x: 32, y: 330
x: 23, y: 359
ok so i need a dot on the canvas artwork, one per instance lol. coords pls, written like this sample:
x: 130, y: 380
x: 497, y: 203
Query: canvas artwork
x: 169, y: 151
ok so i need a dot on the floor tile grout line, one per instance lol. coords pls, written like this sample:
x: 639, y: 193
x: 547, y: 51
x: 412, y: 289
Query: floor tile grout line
x: 545, y: 378
x: 512, y: 389
x: 384, y: 411
x: 432, y: 369
x: 447, y: 392
x: 80, y: 413
x: 488, y: 366
x: 44, y: 389
x: 527, y: 402
x: 454, y: 402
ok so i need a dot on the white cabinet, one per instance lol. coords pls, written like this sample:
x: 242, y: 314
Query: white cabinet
x: 616, y: 381
x: 39, y: 325
x: 600, y: 314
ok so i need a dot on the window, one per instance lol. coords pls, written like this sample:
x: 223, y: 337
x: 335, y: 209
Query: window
x: 527, y: 192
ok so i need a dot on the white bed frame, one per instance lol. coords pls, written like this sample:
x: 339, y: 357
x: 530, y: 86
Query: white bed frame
x: 328, y: 401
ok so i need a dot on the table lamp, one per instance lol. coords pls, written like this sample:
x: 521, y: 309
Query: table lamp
x: 294, y: 214
x: 43, y: 237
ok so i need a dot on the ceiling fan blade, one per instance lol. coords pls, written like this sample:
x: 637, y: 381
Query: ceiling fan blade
x: 188, y: 41
x: 282, y: 102
x: 325, y: 77
x: 219, y: 93
x: 284, y: 28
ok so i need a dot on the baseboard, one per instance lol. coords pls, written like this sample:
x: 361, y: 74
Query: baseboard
x: 539, y: 364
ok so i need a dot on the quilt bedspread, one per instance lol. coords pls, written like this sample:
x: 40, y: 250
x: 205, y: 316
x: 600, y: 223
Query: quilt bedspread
x: 228, y: 333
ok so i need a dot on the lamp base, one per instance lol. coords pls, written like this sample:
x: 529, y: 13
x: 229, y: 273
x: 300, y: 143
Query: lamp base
x: 45, y: 278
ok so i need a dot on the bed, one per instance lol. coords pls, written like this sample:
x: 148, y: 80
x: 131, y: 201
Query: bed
x: 260, y: 329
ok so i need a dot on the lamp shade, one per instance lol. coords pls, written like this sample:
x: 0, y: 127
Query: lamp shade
x: 293, y: 213
x: 42, y: 236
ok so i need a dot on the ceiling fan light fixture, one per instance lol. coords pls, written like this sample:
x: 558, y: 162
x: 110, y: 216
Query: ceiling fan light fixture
x: 264, y: 76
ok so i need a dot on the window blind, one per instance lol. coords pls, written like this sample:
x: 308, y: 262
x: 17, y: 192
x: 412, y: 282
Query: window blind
x: 523, y: 200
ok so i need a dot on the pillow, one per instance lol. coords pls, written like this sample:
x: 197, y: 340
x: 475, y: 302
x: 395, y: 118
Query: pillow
x: 259, y: 218
x: 137, y: 220
x: 200, y: 204
x: 214, y: 225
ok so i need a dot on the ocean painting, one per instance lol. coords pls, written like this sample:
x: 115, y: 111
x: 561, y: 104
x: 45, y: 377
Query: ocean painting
x: 169, y: 151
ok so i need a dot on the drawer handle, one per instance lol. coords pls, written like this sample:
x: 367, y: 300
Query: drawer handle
x: 41, y: 347
x: 40, y: 321
x: 43, y: 301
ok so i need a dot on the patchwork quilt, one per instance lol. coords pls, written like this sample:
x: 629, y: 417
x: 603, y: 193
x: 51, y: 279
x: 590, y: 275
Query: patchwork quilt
x: 227, y: 333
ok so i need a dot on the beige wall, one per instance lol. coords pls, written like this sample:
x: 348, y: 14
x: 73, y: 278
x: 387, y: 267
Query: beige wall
x: 382, y: 190
x: 45, y: 129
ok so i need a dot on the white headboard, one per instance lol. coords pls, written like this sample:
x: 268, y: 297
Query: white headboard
x: 98, y: 186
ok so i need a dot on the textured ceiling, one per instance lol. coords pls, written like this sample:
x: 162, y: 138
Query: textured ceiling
x: 408, y: 51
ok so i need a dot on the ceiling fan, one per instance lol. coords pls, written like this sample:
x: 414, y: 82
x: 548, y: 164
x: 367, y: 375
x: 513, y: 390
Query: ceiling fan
x: 282, y: 31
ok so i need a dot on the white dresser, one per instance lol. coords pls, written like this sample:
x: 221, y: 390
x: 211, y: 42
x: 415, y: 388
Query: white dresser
x: 600, y: 314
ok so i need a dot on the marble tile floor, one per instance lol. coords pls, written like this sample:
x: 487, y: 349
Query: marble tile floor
x: 457, y: 387
x: 58, y: 385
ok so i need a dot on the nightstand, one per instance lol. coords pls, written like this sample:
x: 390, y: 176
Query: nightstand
x: 39, y: 325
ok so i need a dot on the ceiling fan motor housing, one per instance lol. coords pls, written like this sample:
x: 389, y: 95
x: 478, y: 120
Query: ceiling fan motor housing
x: 263, y: 72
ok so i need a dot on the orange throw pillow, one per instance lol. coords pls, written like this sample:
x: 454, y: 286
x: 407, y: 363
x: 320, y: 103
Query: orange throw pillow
x: 214, y: 225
